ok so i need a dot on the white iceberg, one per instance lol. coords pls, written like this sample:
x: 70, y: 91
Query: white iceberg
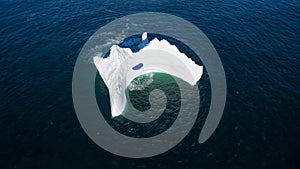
x: 122, y: 66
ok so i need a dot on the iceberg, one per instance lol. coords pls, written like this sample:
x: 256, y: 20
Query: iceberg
x: 122, y: 65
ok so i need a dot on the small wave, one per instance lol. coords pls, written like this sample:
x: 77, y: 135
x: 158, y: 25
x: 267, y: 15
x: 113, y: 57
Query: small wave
x: 140, y: 82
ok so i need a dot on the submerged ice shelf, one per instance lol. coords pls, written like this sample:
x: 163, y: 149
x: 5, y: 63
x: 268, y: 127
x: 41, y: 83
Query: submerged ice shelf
x: 122, y: 66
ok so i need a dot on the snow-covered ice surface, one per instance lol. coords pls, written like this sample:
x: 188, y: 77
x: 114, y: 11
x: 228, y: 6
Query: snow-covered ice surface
x: 122, y: 66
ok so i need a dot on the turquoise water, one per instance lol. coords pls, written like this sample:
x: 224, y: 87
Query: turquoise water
x: 258, y: 43
x: 140, y: 100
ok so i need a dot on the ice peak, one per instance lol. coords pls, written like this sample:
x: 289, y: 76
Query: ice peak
x: 144, y: 36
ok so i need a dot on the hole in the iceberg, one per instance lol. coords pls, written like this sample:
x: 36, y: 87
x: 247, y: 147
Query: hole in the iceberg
x: 138, y: 66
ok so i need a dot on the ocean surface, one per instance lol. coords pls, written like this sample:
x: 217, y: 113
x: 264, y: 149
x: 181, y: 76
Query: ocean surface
x: 258, y: 43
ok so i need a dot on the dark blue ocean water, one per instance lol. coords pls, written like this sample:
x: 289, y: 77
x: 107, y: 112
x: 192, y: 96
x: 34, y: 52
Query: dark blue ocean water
x: 258, y: 43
